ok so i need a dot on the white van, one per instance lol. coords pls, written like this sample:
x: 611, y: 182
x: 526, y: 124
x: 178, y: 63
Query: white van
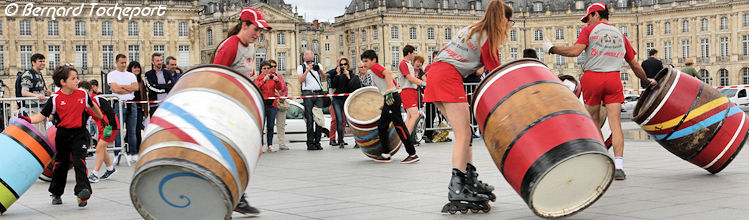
x: 738, y: 96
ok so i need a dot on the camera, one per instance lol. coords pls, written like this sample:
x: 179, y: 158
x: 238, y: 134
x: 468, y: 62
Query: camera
x: 316, y: 67
x: 270, y: 76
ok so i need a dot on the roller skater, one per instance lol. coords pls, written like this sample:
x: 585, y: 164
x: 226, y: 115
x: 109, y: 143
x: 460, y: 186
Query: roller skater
x: 462, y: 197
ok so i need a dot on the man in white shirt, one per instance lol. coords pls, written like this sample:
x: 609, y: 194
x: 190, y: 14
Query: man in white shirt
x: 123, y: 85
x: 311, y: 80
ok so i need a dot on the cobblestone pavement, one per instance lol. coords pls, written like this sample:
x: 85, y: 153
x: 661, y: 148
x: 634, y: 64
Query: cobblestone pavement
x: 343, y: 184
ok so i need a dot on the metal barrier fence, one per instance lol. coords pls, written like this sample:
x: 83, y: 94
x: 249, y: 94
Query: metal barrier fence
x: 12, y: 107
x: 433, y: 117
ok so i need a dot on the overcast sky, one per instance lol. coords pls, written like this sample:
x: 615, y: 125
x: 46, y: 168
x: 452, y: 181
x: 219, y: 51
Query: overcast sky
x: 323, y: 10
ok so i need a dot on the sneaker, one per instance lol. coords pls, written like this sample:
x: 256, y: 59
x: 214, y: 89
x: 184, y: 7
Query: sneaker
x: 56, y: 200
x: 342, y: 144
x: 271, y: 148
x: 333, y: 143
x: 108, y: 174
x: 411, y: 159
x: 283, y: 147
x: 245, y: 208
x: 83, y: 197
x: 383, y: 159
x: 93, y: 178
x: 356, y: 146
x: 619, y: 174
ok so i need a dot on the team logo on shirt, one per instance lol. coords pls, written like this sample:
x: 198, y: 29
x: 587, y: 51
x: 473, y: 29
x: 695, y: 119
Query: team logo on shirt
x: 62, y: 103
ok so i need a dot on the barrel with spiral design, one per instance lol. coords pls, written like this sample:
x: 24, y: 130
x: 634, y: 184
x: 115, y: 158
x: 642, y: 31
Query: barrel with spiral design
x: 200, y: 148
x: 363, y: 109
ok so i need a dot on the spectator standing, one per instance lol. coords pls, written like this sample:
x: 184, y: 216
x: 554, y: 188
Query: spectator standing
x: 159, y: 82
x: 269, y: 84
x: 33, y: 85
x: 310, y: 78
x: 530, y: 53
x: 652, y: 65
x: 688, y: 69
x: 283, y: 105
x: 141, y: 108
x: 171, y: 65
x: 341, y: 81
x: 124, y: 84
x: 95, y: 86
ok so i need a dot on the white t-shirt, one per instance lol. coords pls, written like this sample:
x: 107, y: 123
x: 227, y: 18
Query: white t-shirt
x: 122, y: 79
x: 313, y: 80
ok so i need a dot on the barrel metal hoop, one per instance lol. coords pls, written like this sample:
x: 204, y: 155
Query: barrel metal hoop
x: 665, y: 98
x: 694, y: 103
x: 715, y: 133
x: 12, y: 191
x: 531, y: 125
x: 486, y: 120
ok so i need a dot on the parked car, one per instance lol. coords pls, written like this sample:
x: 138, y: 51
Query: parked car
x: 296, y: 129
x: 630, y: 101
x: 738, y: 96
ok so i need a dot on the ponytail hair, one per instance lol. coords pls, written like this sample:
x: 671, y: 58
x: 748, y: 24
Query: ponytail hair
x: 233, y: 31
x: 494, y: 23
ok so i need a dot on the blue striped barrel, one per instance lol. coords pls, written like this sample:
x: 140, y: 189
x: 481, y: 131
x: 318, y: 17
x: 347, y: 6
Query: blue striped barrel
x: 24, y: 152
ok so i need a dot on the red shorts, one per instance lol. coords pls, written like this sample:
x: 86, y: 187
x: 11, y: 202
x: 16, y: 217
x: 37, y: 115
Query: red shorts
x: 602, y: 88
x: 109, y: 139
x: 410, y: 98
x: 444, y: 84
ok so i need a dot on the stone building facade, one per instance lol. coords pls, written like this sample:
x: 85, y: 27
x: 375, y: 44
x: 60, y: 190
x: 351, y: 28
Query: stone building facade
x: 90, y: 43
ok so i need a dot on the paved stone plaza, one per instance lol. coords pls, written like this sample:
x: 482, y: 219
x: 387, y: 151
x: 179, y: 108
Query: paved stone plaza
x: 344, y: 184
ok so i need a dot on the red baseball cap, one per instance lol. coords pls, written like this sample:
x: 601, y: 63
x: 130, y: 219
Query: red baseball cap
x: 598, y: 6
x: 255, y: 16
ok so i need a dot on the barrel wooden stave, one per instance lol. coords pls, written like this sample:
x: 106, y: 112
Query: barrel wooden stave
x: 363, y: 109
x: 23, y: 156
x: 369, y: 141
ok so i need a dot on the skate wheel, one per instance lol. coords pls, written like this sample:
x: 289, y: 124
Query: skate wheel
x: 464, y: 211
x: 488, y: 208
x: 451, y: 212
x: 474, y: 210
x: 494, y: 197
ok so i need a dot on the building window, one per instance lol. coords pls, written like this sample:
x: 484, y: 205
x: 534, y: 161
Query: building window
x: 705, y: 76
x: 107, y: 54
x: 327, y: 47
x: 513, y: 35
x: 106, y: 28
x: 745, y: 45
x: 395, y: 56
x: 667, y: 47
x: 209, y: 35
x: 649, y: 46
x: 53, y: 28
x: 282, y: 39
x: 723, y: 23
x: 538, y: 6
x: 538, y: 35
x: 624, y: 76
x: 445, y: 4
x: 621, y: 3
x: 746, y: 20
x: 704, y: 25
x: 260, y: 55
x: 81, y: 56
x: 625, y: 30
x: 24, y: 27
x: 158, y: 49
x: 133, y: 53
x: 560, y: 34
x: 53, y: 59
x: 684, y: 26
x: 559, y: 60
x: 430, y: 33
x: 649, y: 30
x: 579, y: 5
x: 259, y: 39
x: 183, y: 55
x: 182, y: 29
x: 514, y: 53
x: 704, y: 47
x: 412, y: 33
x: 340, y: 40
x: 364, y: 36
x: 393, y: 32
x: 304, y: 43
x: 26, y: 51
x: 724, y: 46
x: 448, y: 34
x: 744, y: 74
x: 685, y: 49
x: 667, y: 28
x: 281, y: 61
x: 478, y: 5
x: 541, y: 54
x: 2, y: 58
x: 578, y: 31
x: 1, y: 32
x: 132, y: 29
x: 375, y: 32
x: 723, y: 77
x: 158, y: 29
x: 431, y: 50
x: 80, y: 28
x: 352, y: 37
x: 315, y: 46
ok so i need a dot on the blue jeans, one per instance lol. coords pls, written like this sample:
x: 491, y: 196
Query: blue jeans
x: 338, y: 109
x: 131, y: 120
x: 270, y: 123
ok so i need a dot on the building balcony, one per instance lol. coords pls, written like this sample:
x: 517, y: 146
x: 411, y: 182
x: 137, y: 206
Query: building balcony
x: 703, y: 59
x: 743, y: 57
x: 724, y: 58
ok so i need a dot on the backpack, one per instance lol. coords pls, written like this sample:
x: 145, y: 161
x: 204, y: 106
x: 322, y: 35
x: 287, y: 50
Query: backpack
x: 34, y: 80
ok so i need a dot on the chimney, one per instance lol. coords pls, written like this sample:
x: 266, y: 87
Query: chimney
x: 316, y: 23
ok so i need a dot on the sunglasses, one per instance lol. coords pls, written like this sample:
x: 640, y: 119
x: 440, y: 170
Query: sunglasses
x: 344, y: 64
x: 273, y: 66
x: 266, y: 68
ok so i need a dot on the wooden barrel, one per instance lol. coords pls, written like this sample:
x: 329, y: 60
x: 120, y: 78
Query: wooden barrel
x: 24, y: 152
x: 363, y: 109
x: 200, y: 148
x: 692, y: 120
x: 542, y: 139
x: 574, y: 86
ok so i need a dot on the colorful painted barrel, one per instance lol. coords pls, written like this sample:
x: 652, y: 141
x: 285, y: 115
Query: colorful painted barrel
x: 47, y: 173
x: 542, y: 139
x: 574, y: 86
x: 692, y: 120
x: 200, y: 148
x: 24, y: 152
x: 363, y: 109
